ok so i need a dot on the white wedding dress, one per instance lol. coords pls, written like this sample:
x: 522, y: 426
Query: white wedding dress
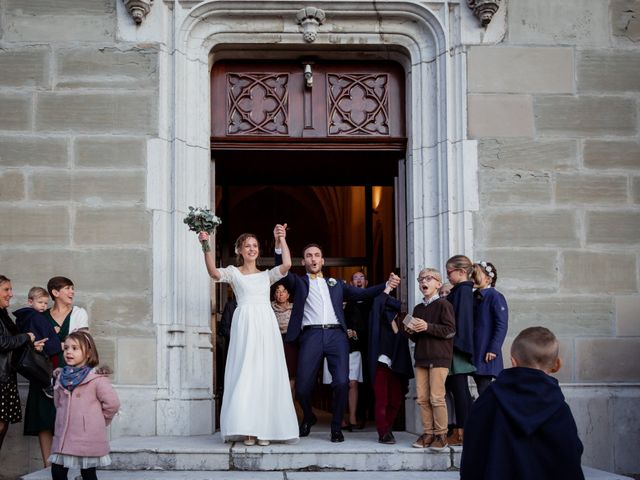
x: 257, y: 397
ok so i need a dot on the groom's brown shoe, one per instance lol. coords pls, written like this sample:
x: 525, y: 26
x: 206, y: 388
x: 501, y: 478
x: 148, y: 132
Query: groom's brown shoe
x: 305, y: 427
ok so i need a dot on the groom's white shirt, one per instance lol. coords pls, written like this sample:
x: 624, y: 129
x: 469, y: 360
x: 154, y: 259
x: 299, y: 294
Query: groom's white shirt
x: 318, y: 309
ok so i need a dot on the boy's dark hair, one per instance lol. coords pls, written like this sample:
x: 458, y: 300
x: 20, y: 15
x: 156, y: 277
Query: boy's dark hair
x: 58, y: 283
x: 87, y: 345
x: 535, y: 347
x: 311, y: 245
x: 37, y: 292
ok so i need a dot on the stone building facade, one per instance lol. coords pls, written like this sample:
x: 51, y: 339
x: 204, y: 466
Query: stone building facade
x: 523, y: 147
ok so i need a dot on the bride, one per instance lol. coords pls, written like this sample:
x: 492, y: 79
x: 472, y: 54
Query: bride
x: 257, y: 403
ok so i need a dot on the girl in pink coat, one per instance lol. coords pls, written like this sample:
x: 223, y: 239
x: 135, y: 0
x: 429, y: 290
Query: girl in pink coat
x: 85, y: 402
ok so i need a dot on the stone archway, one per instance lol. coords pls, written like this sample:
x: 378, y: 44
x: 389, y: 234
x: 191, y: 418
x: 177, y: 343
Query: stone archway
x: 440, y: 163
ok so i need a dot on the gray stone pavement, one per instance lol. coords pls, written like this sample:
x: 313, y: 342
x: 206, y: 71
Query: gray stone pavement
x: 590, y: 474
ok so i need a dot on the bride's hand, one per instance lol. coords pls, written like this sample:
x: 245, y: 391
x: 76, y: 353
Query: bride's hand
x: 203, y: 236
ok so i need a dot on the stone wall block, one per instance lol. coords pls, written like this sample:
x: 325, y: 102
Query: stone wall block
x: 523, y: 269
x: 514, y: 188
x: 628, y: 315
x: 120, y: 316
x: 570, y: 22
x: 23, y: 68
x: 611, y: 154
x: 532, y: 155
x: 106, y: 67
x: 590, y: 189
x: 625, y: 19
x: 619, y: 227
x: 111, y: 226
x: 609, y: 71
x: 34, y: 226
x: 592, y: 413
x: 626, y: 423
x: 136, y: 361
x: 90, y: 187
x: 33, y: 152
x: 112, y: 152
x: 529, y: 229
x: 585, y: 116
x: 11, y: 186
x: 500, y: 116
x: 596, y: 272
x: 104, y: 271
x: 565, y: 315
x: 124, y: 112
x: 106, y: 347
x: 608, y: 359
x: 15, y: 112
x: 50, y: 21
x: 635, y: 189
x: 520, y: 70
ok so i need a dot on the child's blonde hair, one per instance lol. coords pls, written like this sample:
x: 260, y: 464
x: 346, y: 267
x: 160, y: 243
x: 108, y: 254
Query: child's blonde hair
x: 536, y: 347
x: 37, y: 292
x: 460, y: 262
x: 431, y: 271
x: 488, y: 269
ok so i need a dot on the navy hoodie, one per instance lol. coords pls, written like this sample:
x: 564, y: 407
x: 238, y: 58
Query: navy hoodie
x: 521, y: 428
x: 30, y: 320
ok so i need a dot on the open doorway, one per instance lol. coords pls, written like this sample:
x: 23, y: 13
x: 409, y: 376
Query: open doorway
x: 351, y: 215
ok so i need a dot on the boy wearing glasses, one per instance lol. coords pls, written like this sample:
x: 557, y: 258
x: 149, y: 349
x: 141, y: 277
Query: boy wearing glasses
x: 432, y: 329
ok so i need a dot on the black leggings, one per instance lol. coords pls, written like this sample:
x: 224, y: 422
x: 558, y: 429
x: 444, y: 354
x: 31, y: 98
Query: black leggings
x: 58, y: 472
x: 458, y: 385
x: 482, y: 382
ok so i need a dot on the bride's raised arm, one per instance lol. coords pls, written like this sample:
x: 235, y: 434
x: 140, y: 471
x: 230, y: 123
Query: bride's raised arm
x: 209, y: 259
x: 280, y: 235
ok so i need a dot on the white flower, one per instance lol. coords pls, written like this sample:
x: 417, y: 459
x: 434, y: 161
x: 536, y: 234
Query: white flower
x: 332, y: 282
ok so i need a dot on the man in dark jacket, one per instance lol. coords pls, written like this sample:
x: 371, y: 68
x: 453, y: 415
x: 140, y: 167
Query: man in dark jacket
x: 521, y: 427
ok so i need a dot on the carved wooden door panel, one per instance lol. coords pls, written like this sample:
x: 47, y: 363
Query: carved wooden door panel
x: 258, y: 105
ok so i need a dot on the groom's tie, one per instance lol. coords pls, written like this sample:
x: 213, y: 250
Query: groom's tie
x: 313, y: 276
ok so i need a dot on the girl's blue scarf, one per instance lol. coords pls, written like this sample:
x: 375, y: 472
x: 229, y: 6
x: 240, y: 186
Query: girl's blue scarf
x: 71, y: 377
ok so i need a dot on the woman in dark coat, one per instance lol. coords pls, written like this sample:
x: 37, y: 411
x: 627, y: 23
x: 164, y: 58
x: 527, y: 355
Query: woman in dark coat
x: 10, y: 340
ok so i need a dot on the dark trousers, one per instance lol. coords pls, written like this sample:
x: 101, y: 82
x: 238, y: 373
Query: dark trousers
x: 58, y: 472
x: 387, y: 387
x: 482, y: 382
x: 315, y: 345
x: 458, y: 385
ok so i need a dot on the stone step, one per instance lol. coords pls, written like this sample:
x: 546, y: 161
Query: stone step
x: 359, y: 452
x: 359, y: 457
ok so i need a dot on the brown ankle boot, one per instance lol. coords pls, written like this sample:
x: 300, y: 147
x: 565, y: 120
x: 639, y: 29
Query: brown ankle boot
x: 455, y: 439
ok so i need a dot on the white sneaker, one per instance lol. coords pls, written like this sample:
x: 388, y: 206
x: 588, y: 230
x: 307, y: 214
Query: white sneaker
x: 250, y: 441
x: 263, y: 443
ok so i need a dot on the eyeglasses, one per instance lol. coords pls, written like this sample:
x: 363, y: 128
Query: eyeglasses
x: 428, y: 278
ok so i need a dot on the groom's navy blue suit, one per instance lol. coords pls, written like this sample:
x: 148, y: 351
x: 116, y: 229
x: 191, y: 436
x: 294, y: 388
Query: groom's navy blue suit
x: 317, y: 343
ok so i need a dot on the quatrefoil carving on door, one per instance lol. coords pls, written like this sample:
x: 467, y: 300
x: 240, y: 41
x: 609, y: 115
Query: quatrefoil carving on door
x: 258, y: 104
x: 358, y: 104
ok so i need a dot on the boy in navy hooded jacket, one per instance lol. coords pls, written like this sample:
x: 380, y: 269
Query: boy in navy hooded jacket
x: 521, y: 427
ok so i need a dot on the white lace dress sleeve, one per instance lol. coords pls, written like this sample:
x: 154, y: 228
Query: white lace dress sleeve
x: 275, y: 274
x: 226, y: 275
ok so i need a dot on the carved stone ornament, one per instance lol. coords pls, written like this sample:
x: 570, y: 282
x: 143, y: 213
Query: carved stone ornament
x: 310, y: 18
x: 138, y: 9
x: 484, y: 9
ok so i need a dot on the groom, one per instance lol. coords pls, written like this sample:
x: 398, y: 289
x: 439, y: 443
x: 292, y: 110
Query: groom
x: 317, y: 322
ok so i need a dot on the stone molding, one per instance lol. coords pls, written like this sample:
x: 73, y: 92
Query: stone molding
x: 138, y: 9
x: 438, y: 175
x: 310, y: 18
x: 484, y: 9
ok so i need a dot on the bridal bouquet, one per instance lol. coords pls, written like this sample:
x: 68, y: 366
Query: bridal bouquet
x: 202, y: 220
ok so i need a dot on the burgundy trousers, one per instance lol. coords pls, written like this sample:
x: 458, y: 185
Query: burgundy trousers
x: 387, y: 387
